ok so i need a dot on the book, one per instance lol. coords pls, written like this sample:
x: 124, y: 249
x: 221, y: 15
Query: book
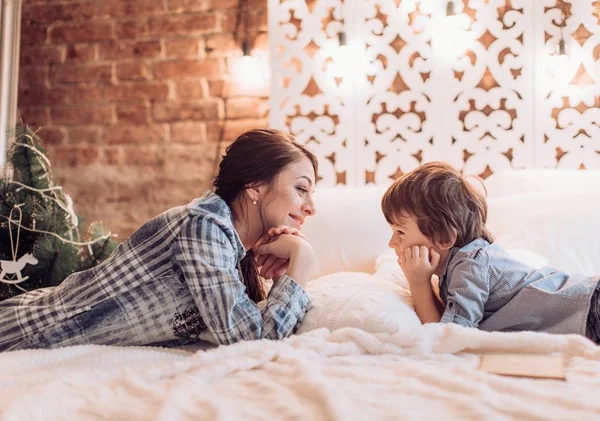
x: 524, y: 365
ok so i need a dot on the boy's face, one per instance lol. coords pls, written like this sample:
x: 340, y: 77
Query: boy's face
x: 406, y: 233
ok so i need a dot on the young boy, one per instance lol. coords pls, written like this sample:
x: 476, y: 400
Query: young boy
x: 438, y: 222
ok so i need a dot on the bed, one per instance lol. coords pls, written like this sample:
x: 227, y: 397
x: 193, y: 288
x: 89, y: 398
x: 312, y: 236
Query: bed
x: 361, y: 352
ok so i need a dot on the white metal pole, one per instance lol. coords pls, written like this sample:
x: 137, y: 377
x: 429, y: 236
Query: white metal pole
x: 10, y: 35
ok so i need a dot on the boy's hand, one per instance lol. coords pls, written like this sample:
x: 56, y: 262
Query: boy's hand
x: 419, y: 264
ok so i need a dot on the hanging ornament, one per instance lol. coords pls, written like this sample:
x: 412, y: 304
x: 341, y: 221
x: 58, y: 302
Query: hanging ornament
x: 15, y: 266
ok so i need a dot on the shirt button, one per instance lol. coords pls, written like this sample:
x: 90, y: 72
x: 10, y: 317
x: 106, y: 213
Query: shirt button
x: 450, y: 305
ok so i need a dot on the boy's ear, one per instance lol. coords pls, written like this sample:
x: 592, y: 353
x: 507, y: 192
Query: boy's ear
x: 448, y: 245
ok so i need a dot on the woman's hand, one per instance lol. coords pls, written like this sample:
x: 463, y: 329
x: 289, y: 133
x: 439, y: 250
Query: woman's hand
x: 271, y: 266
x: 293, y: 249
x: 419, y: 264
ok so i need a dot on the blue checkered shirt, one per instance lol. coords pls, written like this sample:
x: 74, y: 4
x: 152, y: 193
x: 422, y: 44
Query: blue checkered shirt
x: 483, y: 286
x: 174, y: 281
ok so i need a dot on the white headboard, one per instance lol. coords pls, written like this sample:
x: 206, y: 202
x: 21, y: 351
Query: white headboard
x: 348, y: 231
x: 555, y: 213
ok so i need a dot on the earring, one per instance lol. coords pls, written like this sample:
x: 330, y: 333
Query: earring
x: 254, y: 203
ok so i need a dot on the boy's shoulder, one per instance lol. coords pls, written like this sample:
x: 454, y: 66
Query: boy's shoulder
x: 476, y: 248
x: 479, y: 252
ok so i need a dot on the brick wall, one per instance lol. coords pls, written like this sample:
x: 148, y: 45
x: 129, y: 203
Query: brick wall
x: 133, y: 97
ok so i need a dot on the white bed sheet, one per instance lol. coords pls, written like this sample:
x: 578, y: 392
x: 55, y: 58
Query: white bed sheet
x: 420, y: 373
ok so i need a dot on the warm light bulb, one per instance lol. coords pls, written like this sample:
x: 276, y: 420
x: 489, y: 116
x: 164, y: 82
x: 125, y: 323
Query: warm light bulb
x: 251, y: 74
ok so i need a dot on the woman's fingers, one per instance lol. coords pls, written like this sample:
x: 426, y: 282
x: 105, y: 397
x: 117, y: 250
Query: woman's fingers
x: 267, y: 265
x: 260, y: 260
x: 284, y: 229
x: 278, y: 269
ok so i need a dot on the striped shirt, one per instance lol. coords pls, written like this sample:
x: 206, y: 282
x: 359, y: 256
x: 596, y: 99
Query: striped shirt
x: 174, y: 281
x: 483, y: 286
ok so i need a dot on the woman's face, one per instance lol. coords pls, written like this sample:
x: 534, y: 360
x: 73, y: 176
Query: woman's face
x: 289, y: 200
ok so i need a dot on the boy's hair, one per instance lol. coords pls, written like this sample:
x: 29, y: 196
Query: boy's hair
x: 443, y: 203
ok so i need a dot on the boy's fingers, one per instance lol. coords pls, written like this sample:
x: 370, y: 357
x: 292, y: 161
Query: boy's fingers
x: 424, y: 253
x: 435, y: 258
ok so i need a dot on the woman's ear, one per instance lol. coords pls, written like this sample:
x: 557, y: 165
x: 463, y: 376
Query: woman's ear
x: 253, y: 192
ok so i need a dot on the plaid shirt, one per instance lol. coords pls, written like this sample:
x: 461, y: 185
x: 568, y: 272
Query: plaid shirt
x: 174, y: 281
x: 483, y: 286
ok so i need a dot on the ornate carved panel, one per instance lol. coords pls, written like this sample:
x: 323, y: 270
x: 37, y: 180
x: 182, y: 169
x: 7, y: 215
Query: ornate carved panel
x: 483, y: 89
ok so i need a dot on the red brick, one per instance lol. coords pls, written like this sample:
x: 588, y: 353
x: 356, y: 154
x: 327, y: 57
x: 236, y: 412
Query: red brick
x: 33, y: 34
x: 33, y: 74
x: 188, y: 6
x: 81, y: 52
x: 84, y: 135
x: 81, y: 74
x: 257, y: 20
x: 261, y: 43
x: 219, y: 88
x: 233, y: 128
x: 130, y: 49
x: 132, y: 113
x: 259, y: 5
x: 98, y: 30
x: 191, y: 90
x: 112, y: 156
x: 183, y: 24
x: 132, y: 28
x: 132, y: 71
x: 75, y: 156
x: 121, y: 8
x: 188, y: 132
x: 136, y: 134
x: 229, y: 89
x: 76, y: 94
x: 35, y: 116
x: 52, y: 136
x: 154, y: 91
x: 101, y: 114
x: 263, y: 21
x: 246, y: 108
x: 220, y: 45
x: 149, y: 155
x: 183, y: 48
x: 209, y: 110
x: 224, y: 4
x: 188, y: 68
x: 185, y: 161
x: 47, y: 54
x: 41, y: 13
x: 32, y: 93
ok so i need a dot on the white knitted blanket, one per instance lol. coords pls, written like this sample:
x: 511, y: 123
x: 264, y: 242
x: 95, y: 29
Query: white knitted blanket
x: 420, y: 373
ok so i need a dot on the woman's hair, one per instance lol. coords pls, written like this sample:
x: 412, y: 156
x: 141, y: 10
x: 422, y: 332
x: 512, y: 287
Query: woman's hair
x: 255, y: 158
x: 443, y: 203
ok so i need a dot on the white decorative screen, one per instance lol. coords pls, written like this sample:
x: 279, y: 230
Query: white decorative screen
x: 484, y: 89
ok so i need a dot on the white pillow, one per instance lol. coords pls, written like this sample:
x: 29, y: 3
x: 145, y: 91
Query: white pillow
x: 560, y: 226
x: 359, y: 300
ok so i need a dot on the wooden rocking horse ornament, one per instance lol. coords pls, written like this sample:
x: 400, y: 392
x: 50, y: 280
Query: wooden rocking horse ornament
x: 15, y: 266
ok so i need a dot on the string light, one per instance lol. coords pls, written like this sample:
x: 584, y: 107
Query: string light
x: 75, y: 243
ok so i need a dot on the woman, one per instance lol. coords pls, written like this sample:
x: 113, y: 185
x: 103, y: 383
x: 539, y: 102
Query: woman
x: 191, y: 273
